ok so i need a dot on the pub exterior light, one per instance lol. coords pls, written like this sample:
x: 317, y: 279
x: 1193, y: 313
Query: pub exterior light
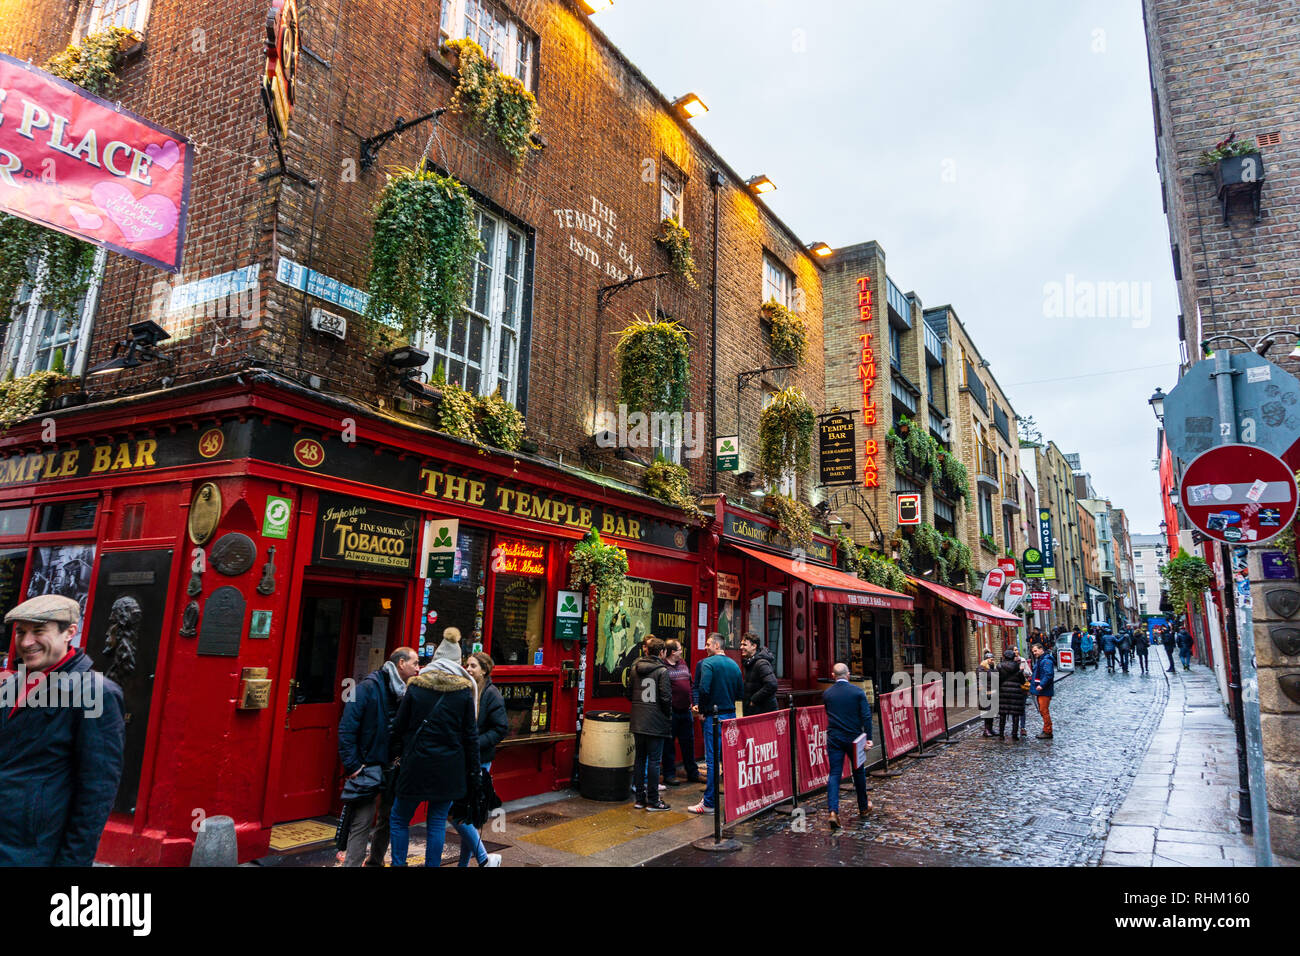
x: 595, y: 6
x: 690, y: 106
x: 820, y: 249
x: 760, y: 184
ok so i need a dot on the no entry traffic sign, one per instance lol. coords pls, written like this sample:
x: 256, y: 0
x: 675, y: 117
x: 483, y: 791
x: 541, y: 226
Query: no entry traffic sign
x: 1239, y: 493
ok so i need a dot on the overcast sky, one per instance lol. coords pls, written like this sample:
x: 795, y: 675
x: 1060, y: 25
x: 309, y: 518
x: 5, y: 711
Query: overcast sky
x: 992, y: 148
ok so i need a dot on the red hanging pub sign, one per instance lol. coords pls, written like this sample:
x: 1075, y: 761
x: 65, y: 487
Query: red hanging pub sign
x: 867, y: 375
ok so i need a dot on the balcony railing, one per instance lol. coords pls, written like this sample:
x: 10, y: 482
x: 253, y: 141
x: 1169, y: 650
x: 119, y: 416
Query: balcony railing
x: 1000, y: 422
x: 933, y: 346
x: 898, y: 302
x: 976, y: 387
x: 936, y: 424
x: 900, y: 392
x: 986, y: 466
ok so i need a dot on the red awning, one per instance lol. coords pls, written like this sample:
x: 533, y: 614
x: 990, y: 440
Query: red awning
x: 831, y: 586
x: 982, y: 612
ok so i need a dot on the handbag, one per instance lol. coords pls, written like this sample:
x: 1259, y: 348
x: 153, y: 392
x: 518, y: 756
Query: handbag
x: 365, y: 784
x: 476, y: 809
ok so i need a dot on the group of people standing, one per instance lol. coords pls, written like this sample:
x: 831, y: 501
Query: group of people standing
x: 1126, y: 645
x: 413, y: 735
x: 1016, y: 679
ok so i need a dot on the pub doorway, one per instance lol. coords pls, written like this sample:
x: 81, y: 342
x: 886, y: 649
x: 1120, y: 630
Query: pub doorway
x: 345, y: 630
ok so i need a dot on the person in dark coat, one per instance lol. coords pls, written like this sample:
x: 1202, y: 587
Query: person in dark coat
x: 363, y: 742
x: 1184, y: 642
x: 1124, y: 645
x: 760, y: 676
x: 1108, y: 648
x: 679, y: 673
x: 848, y: 716
x: 1141, y: 648
x: 61, y: 738
x: 1167, y: 639
x: 1011, y: 695
x: 1076, y: 645
x: 651, y: 692
x: 436, y: 734
x: 492, y: 729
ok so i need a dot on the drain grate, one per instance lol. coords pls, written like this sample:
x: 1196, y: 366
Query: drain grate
x: 1060, y: 823
x: 539, y: 819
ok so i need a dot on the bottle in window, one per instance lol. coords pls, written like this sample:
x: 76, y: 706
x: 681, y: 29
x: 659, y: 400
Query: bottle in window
x: 541, y: 718
x: 536, y: 707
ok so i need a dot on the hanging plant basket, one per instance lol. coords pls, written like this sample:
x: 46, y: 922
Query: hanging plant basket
x: 671, y: 483
x: 789, y: 334
x: 598, y: 565
x: 21, y: 398
x: 785, y: 429
x: 654, y: 365
x: 794, y: 518
x: 495, y: 102
x: 425, y: 237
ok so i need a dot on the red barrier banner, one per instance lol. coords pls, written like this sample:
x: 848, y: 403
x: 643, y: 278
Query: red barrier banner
x: 896, y: 721
x: 755, y: 763
x: 76, y: 163
x: 930, y: 714
x: 811, y: 749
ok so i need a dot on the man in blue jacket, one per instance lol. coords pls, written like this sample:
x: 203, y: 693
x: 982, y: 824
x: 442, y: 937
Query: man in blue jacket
x: 61, y: 739
x: 363, y: 742
x: 1041, y: 688
x: 848, y: 716
x: 718, y: 683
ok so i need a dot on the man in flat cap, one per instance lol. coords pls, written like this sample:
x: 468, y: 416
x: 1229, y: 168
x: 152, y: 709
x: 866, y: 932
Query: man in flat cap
x: 61, y: 736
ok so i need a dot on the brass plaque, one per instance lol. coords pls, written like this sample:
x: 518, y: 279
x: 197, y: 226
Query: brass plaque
x: 205, y: 513
x: 253, y: 673
x: 254, y: 693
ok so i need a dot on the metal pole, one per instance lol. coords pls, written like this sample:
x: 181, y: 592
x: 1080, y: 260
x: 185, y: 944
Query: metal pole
x: 794, y: 760
x: 717, y: 778
x: 1234, y: 685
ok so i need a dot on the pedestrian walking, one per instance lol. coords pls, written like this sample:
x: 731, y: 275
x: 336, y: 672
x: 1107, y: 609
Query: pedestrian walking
x: 760, y: 676
x: 718, y: 683
x: 1184, y: 642
x: 1089, y: 648
x: 1124, y: 646
x: 1076, y: 645
x: 1167, y: 639
x: 683, y: 729
x: 985, y: 678
x: 492, y: 729
x: 368, y: 769
x: 1041, y: 688
x: 651, y: 693
x: 1141, y: 647
x: 1108, y: 648
x: 436, y: 733
x: 61, y: 740
x: 848, y: 716
x: 1012, y: 685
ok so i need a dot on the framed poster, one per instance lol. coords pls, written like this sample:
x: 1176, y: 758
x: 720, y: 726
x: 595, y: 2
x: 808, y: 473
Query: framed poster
x: 63, y: 569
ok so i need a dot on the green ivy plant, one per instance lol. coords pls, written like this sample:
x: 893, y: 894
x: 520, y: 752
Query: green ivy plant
x: 987, y: 543
x: 424, y: 240
x: 785, y: 430
x: 495, y: 101
x: 794, y: 518
x: 457, y: 413
x: 94, y: 63
x: 960, y: 559
x: 882, y: 572
x: 671, y: 483
x: 654, y: 365
x: 22, y: 398
x: 955, y: 478
x: 601, y: 566
x: 1186, y: 577
x: 676, y: 241
x: 789, y: 331
x: 500, y: 423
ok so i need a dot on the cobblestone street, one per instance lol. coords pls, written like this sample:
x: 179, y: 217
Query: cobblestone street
x: 975, y: 802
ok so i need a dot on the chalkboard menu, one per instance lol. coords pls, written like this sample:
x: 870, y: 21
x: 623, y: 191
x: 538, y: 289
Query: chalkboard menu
x: 352, y: 533
x: 528, y: 708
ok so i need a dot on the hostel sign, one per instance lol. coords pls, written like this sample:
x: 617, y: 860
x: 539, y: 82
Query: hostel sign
x: 77, y: 164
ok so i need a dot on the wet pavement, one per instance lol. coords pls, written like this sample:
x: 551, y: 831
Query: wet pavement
x: 984, y: 801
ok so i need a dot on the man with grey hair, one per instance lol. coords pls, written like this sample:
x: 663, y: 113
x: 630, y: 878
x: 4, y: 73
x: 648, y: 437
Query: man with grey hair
x: 848, y: 716
x: 60, y: 753
x: 718, y: 684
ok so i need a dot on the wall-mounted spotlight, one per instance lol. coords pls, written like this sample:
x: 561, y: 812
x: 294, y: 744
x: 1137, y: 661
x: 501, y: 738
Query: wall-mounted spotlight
x: 408, y: 356
x: 595, y: 6
x: 820, y: 249
x: 760, y: 184
x: 132, y: 352
x: 690, y: 106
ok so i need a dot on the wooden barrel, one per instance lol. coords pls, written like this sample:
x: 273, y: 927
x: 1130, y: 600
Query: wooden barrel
x: 605, y: 756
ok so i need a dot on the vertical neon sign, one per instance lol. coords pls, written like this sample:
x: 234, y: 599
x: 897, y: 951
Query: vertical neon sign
x: 867, y: 375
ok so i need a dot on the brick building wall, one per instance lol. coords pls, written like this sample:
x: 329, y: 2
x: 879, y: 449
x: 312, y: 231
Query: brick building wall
x: 1216, y: 68
x: 589, y: 204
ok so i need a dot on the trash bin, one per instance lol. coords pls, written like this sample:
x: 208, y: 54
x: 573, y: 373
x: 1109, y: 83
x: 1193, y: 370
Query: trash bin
x: 605, y: 756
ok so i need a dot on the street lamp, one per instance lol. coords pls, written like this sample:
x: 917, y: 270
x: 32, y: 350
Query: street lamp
x: 1157, y: 403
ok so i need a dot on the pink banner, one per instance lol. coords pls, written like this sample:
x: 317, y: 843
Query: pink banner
x: 896, y: 721
x: 811, y: 749
x: 755, y: 763
x: 930, y: 713
x: 78, y: 164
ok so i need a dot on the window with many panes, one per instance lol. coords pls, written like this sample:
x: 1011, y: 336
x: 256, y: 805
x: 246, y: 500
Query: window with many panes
x: 672, y: 188
x: 507, y: 42
x: 480, y: 350
x: 100, y: 15
x: 778, y: 282
x: 37, y: 334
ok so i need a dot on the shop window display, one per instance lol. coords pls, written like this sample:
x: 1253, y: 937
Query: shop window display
x: 458, y: 601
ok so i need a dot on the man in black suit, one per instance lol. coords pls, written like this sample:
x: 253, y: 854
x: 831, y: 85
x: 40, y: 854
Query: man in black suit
x: 848, y: 716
